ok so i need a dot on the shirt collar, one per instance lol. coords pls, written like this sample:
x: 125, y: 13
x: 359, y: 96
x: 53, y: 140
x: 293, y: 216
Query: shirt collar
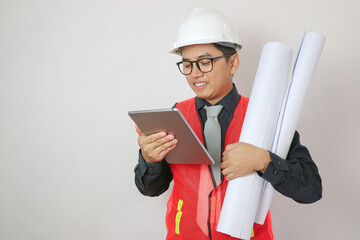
x: 229, y: 102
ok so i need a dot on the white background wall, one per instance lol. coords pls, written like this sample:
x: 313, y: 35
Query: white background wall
x: 71, y: 69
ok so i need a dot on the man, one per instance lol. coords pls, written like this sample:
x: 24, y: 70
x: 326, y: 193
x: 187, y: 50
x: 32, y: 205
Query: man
x: 208, y: 45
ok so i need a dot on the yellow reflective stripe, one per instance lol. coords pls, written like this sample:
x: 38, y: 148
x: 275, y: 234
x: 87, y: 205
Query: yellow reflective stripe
x: 178, y: 217
x: 177, y: 223
x: 252, y: 233
x: 180, y: 203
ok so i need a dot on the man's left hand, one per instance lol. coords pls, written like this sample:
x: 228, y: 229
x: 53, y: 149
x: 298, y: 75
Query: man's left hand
x: 240, y: 159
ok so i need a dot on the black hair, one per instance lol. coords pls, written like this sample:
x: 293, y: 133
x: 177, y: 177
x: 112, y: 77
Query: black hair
x: 229, y: 51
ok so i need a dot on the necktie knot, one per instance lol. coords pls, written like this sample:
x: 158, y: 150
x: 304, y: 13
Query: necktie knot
x: 213, y: 111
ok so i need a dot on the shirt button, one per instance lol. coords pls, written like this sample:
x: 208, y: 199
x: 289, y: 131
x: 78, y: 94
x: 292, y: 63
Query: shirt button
x: 278, y: 163
x: 302, y: 177
x: 275, y: 171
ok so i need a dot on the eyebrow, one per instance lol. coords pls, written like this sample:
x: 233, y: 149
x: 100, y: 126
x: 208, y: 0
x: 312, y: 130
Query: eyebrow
x: 205, y: 55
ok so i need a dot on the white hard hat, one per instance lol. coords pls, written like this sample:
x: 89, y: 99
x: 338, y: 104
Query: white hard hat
x: 206, y: 25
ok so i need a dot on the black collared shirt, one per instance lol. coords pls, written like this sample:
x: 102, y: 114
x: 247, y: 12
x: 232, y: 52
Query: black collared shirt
x: 296, y: 176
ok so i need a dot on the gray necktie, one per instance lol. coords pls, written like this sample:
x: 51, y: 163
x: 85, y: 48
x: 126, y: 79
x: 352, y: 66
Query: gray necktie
x: 212, y: 132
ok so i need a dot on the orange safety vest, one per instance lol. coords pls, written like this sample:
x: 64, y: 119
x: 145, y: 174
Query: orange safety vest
x: 194, y: 206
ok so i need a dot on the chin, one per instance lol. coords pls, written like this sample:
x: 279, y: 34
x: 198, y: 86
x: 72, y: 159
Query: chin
x: 203, y: 96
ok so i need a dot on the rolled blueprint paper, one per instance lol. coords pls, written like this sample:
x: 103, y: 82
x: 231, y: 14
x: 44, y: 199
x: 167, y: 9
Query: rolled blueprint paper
x: 304, y: 68
x: 242, y: 195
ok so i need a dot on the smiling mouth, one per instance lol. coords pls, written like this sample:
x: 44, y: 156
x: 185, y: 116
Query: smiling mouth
x: 200, y: 84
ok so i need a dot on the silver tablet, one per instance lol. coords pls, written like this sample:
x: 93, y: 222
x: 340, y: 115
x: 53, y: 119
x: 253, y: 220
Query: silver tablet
x: 189, y: 149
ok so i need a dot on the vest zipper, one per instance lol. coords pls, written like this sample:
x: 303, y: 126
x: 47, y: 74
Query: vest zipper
x: 209, y: 215
x: 209, y: 204
x: 211, y: 174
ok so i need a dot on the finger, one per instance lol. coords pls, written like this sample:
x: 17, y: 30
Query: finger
x: 156, y: 137
x: 228, y: 148
x: 225, y: 157
x: 157, y: 154
x: 230, y: 177
x: 163, y: 151
x: 166, y: 151
x: 159, y: 145
x: 138, y: 130
x: 164, y: 148
x: 163, y: 140
x: 226, y: 171
x: 224, y: 164
x: 150, y: 142
x: 170, y: 144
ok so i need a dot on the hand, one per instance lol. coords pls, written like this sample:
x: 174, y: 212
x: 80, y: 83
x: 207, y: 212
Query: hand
x: 154, y: 147
x: 240, y: 159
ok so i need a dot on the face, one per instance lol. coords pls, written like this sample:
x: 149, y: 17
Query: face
x: 214, y: 85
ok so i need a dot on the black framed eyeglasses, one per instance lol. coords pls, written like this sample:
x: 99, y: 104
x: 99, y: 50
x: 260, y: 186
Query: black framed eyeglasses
x: 205, y: 65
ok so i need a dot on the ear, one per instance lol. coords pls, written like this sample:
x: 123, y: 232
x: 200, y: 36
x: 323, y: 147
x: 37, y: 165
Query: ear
x: 234, y: 63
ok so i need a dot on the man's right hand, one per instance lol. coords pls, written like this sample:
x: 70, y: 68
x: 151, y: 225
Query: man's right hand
x: 155, y: 147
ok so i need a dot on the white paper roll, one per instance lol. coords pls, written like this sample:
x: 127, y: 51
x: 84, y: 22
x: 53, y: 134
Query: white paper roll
x: 243, y: 194
x: 304, y: 68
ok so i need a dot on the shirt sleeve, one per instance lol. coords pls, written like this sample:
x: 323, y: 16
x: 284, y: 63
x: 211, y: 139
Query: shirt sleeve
x: 297, y: 176
x: 152, y: 179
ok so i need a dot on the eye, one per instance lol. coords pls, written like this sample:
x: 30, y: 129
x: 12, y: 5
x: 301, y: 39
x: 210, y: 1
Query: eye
x: 187, y: 64
x: 204, y: 62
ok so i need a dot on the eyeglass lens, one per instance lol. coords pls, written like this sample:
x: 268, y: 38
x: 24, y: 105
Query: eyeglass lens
x: 204, y: 65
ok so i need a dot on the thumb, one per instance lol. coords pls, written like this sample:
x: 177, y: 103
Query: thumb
x: 138, y: 130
